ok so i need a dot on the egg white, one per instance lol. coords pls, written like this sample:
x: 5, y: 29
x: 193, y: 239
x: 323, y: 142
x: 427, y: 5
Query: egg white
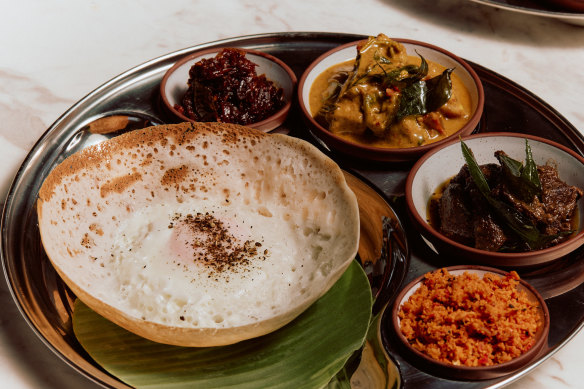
x: 154, y: 282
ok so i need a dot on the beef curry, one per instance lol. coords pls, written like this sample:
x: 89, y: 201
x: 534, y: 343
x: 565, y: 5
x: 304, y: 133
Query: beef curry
x: 513, y: 215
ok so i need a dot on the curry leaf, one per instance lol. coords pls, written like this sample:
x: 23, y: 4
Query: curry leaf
x: 529, y: 173
x: 412, y: 100
x: 511, y: 170
x: 475, y: 170
x: 400, y: 77
x: 414, y: 73
x: 425, y: 96
x: 439, y: 90
x: 516, y: 221
x: 523, y: 182
x: 512, y: 166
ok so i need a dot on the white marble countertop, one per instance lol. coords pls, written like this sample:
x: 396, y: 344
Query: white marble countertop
x: 55, y: 52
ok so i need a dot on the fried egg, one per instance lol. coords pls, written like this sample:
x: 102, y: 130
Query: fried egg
x: 199, y: 234
x: 250, y: 274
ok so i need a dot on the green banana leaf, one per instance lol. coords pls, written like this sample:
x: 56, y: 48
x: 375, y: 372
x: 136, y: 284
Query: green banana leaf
x: 306, y: 353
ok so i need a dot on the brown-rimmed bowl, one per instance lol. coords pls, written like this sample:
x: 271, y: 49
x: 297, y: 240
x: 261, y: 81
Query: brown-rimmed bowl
x: 348, y: 52
x: 446, y: 160
x: 174, y: 83
x: 443, y: 369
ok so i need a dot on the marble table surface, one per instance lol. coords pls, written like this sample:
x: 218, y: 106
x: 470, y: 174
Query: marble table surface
x: 52, y: 53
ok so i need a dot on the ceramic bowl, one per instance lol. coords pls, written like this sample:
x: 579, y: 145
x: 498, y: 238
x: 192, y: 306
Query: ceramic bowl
x: 174, y: 83
x: 446, y: 160
x: 442, y: 369
x: 347, y: 52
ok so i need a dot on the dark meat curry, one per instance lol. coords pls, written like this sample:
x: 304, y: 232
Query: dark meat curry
x: 512, y: 208
x: 385, y: 98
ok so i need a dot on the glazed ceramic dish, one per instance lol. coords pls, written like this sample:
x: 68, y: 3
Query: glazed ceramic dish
x: 569, y: 11
x: 347, y: 52
x: 391, y: 253
x: 445, y: 161
x: 174, y: 83
x: 424, y: 362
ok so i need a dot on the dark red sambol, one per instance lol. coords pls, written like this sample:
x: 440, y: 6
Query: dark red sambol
x: 227, y: 89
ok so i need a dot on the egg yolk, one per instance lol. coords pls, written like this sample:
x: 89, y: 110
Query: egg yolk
x: 218, y: 245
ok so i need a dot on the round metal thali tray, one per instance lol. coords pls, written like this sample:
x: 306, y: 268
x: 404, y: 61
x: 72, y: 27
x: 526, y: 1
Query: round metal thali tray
x: 392, y: 253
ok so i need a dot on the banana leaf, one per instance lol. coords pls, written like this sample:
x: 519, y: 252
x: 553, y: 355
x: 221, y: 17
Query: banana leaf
x: 307, y: 353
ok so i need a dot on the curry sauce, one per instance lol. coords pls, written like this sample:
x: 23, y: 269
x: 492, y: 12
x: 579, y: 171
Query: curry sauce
x: 367, y: 112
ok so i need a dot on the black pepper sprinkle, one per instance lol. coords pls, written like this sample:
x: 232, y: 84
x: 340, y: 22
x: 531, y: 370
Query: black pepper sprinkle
x: 217, y: 249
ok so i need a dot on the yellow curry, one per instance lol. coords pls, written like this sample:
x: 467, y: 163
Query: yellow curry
x: 386, y: 98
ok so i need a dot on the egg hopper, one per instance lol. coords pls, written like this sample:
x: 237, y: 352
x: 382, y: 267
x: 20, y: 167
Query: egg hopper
x: 380, y: 230
x: 174, y: 234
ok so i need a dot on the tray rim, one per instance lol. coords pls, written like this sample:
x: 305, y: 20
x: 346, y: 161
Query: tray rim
x: 566, y: 16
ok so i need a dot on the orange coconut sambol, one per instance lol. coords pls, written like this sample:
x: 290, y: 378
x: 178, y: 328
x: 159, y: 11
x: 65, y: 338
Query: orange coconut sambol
x: 468, y: 320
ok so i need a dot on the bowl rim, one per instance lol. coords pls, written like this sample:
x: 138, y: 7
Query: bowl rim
x: 473, y: 372
x: 400, y: 154
x: 577, y: 239
x: 265, y: 124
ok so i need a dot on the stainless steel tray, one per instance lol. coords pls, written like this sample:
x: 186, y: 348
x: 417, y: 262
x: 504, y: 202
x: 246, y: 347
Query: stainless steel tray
x: 46, y: 302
